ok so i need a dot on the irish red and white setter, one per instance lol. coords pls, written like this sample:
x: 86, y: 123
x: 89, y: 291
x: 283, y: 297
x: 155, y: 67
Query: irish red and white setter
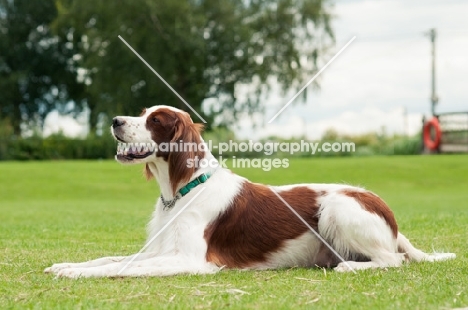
x: 235, y: 223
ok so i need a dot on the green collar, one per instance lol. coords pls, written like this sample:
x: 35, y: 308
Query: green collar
x: 202, y: 178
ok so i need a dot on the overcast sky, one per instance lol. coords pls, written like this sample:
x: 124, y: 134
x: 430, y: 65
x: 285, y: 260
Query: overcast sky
x: 384, y: 72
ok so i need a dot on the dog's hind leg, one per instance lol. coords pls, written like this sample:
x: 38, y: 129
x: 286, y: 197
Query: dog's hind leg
x: 362, y: 238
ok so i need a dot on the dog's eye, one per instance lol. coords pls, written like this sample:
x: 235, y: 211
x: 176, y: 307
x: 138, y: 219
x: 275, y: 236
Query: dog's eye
x: 155, y: 120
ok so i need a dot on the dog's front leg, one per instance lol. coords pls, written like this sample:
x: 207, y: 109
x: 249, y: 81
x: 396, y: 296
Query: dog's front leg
x: 155, y: 266
x: 55, y: 268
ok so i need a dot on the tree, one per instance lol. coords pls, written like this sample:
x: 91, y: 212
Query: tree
x: 36, y: 70
x: 203, y: 48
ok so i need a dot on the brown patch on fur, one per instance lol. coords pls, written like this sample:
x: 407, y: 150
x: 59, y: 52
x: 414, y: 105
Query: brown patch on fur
x: 257, y: 223
x: 374, y: 204
x: 143, y: 112
x: 168, y: 126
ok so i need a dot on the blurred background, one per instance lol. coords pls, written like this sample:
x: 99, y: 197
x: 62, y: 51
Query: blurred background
x: 64, y: 73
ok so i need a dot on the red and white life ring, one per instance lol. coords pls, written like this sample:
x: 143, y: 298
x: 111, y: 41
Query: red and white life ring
x: 429, y: 142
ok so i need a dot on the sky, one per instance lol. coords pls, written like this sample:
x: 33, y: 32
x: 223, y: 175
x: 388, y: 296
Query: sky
x: 383, y: 75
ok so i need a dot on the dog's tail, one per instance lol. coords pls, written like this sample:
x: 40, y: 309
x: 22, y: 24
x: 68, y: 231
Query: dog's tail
x: 413, y: 254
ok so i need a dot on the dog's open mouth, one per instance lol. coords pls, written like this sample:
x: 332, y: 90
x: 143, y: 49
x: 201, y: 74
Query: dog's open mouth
x: 129, y: 155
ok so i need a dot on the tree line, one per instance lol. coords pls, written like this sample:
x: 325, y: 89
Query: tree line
x: 57, y: 146
x: 65, y: 55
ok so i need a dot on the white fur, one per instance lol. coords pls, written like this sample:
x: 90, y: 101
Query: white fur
x: 181, y: 248
x: 299, y: 252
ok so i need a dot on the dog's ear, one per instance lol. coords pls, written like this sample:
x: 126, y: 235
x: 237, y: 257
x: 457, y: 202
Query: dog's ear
x: 147, y: 172
x: 179, y: 168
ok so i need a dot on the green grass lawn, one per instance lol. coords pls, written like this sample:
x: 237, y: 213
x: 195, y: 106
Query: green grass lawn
x: 80, y: 210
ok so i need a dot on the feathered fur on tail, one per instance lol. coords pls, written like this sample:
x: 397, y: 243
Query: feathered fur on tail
x: 413, y: 254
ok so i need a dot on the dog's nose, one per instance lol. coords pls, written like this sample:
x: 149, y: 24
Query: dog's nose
x: 116, y: 122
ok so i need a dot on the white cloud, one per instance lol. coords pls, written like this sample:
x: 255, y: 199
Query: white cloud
x: 349, y: 122
x: 56, y: 123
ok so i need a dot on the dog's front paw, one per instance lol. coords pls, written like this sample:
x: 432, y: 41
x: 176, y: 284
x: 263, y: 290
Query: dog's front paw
x: 72, y: 273
x: 55, y: 268
x: 80, y: 272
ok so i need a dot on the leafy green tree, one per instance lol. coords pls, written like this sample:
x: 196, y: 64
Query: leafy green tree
x: 36, y: 68
x: 203, y: 48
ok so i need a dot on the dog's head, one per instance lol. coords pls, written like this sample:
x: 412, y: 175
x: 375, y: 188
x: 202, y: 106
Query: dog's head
x: 156, y: 135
